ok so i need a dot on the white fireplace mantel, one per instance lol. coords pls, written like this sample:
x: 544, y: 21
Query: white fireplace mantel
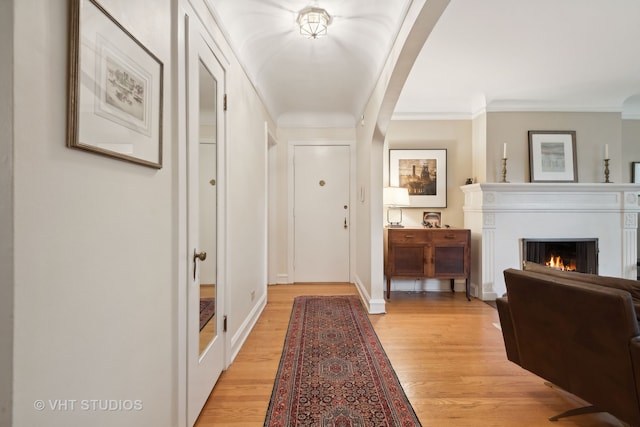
x: 500, y: 215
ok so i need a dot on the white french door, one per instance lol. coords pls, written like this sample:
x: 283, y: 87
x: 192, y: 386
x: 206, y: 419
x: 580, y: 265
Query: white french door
x: 205, y: 216
x: 321, y: 213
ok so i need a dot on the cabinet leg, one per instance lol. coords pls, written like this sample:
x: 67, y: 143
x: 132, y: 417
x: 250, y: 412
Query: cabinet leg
x: 468, y: 288
x: 388, y: 288
x: 452, y: 285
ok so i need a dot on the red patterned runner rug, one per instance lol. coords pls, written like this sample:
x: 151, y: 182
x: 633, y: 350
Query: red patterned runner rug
x: 334, y: 371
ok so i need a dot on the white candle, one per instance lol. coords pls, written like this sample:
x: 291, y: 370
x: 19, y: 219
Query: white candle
x: 606, y: 151
x: 504, y: 151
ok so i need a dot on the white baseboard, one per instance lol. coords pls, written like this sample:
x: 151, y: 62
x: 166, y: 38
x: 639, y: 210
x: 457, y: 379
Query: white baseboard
x: 489, y: 296
x: 245, y: 329
x: 374, y: 306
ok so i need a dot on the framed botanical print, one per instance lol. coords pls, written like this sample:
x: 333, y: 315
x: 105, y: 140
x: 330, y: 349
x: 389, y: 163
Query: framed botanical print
x: 115, y: 89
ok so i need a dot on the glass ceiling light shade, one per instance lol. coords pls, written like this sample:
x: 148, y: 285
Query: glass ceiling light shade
x: 313, y: 22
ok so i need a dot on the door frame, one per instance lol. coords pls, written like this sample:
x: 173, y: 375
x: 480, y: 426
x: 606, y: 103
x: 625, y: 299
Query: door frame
x: 271, y: 190
x: 291, y: 201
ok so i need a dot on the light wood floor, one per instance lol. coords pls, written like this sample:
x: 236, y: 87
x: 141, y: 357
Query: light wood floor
x: 446, y: 351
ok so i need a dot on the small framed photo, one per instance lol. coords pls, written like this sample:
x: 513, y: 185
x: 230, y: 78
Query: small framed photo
x: 552, y: 156
x: 115, y: 89
x: 423, y: 173
x: 635, y: 172
x: 432, y: 219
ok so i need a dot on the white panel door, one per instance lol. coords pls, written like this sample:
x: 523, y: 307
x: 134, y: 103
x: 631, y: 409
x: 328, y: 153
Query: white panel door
x: 321, y: 213
x: 205, y: 145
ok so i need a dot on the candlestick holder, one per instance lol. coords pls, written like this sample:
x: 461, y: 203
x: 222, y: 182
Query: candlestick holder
x: 504, y: 170
x: 606, y: 171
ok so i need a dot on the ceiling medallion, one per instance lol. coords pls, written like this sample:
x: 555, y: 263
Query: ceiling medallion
x: 313, y: 22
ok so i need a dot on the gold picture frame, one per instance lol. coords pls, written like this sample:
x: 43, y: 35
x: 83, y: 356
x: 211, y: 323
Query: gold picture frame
x: 115, y: 89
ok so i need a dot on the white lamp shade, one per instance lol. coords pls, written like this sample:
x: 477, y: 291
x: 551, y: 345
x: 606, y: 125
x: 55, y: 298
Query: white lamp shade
x: 396, y: 196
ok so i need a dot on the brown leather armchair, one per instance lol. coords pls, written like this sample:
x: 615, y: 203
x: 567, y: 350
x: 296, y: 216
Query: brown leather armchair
x: 582, y: 337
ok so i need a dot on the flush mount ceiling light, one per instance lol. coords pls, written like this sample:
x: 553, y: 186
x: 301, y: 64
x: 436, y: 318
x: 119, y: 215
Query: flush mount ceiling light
x: 313, y: 22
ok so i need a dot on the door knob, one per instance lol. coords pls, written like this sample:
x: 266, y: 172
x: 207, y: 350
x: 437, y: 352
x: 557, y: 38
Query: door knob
x: 197, y: 256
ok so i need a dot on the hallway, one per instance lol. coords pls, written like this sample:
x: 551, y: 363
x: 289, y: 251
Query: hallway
x: 446, y: 351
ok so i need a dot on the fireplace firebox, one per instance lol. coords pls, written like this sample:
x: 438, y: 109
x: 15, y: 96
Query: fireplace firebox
x: 579, y: 255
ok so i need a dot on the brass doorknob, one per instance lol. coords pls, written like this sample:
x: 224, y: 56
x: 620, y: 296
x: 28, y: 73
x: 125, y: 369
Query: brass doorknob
x: 197, y: 256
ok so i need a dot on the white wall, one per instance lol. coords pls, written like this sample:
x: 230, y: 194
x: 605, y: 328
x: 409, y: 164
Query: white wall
x: 97, y: 264
x: 6, y: 212
x: 368, y: 274
x: 246, y: 231
x: 94, y: 260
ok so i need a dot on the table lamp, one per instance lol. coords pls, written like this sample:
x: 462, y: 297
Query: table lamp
x: 394, y: 198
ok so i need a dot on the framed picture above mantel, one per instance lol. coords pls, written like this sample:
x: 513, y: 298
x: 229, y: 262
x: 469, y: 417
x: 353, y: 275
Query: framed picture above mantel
x: 635, y: 172
x: 423, y: 172
x: 552, y: 156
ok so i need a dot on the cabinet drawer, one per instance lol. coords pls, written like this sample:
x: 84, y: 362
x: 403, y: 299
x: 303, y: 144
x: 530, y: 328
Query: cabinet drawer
x: 408, y: 236
x: 450, y: 237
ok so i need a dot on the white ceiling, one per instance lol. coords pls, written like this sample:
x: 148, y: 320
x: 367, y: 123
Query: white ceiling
x: 494, y: 55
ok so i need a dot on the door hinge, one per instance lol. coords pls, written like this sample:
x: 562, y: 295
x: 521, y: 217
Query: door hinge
x: 224, y: 103
x: 224, y: 324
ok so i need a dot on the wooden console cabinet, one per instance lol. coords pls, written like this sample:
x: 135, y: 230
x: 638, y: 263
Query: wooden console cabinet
x: 420, y: 253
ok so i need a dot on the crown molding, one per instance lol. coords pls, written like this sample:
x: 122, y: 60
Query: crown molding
x: 431, y: 116
x: 316, y: 120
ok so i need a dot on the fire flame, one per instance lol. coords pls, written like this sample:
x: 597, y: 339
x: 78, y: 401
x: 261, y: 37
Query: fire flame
x: 555, y: 262
x: 558, y: 263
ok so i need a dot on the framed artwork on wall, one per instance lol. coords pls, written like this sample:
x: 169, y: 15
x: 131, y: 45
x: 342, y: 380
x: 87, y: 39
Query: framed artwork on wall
x: 552, y: 156
x: 423, y: 173
x: 115, y: 89
x: 635, y: 172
